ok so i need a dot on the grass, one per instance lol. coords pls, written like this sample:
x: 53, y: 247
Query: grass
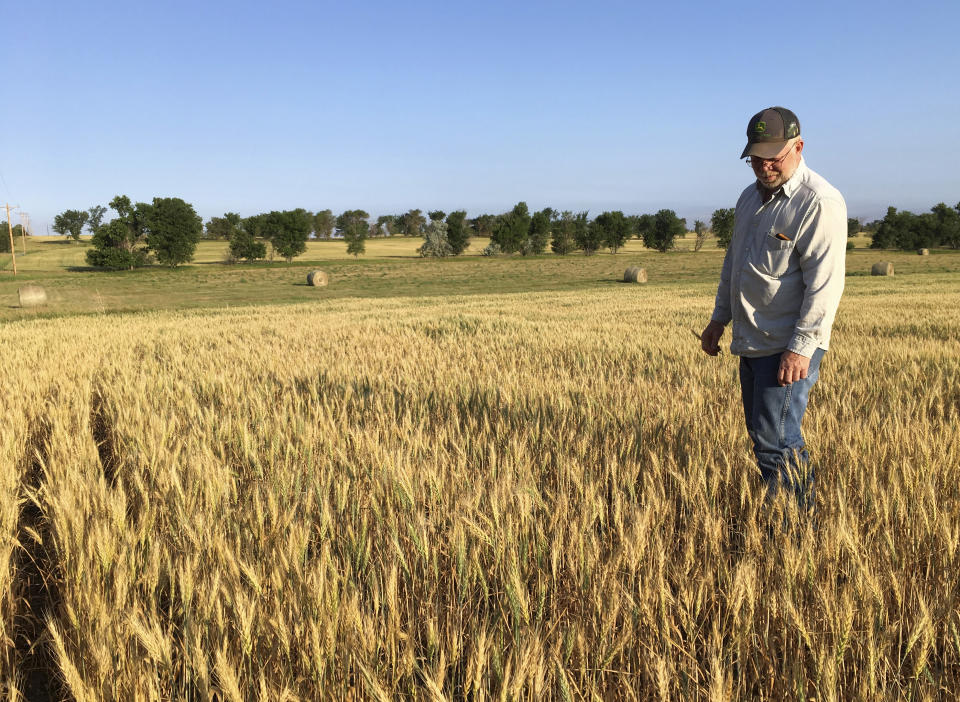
x: 391, y: 268
x: 524, y: 482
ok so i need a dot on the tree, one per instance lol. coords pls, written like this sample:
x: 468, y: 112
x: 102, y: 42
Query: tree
x: 886, y: 234
x: 121, y: 243
x: 458, y: 236
x: 562, y: 230
x: 5, y: 235
x: 386, y: 225
x: 435, y: 240
x: 539, y: 233
x: 947, y: 224
x: 113, y: 249
x: 483, y: 225
x: 223, y: 227
x: 613, y: 229
x: 244, y: 245
x: 853, y: 226
x: 124, y: 208
x: 586, y: 234
x: 352, y: 226
x: 905, y: 230
x: 173, y: 229
x: 255, y: 225
x: 666, y: 227
x: 356, y: 238
x: 95, y: 218
x: 69, y: 223
x: 925, y: 232
x: 411, y: 223
x: 721, y: 222
x: 323, y: 222
x: 643, y: 225
x: 512, y: 229
x: 700, y: 229
x: 436, y: 215
x: 393, y: 224
x: 288, y: 231
x: 304, y: 221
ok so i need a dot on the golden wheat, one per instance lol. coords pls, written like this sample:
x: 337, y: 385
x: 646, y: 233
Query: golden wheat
x: 498, y: 497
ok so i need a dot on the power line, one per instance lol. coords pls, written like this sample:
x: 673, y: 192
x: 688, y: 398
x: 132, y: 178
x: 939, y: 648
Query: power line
x: 6, y: 187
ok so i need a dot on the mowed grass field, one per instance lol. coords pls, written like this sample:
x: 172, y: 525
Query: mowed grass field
x: 466, y: 479
x: 390, y: 268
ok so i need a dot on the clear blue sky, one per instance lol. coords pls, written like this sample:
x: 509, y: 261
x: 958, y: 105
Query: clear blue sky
x: 385, y: 106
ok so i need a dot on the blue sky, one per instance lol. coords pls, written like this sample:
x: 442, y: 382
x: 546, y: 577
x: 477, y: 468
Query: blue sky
x: 386, y: 106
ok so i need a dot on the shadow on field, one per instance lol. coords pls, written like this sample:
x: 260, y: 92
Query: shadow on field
x: 36, y: 592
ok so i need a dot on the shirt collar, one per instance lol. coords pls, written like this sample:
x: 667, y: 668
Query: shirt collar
x: 799, y: 175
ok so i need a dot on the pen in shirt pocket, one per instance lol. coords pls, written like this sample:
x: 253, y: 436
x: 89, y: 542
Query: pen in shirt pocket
x: 782, y: 237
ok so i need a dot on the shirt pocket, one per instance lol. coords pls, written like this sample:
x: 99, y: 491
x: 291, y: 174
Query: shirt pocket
x: 775, y: 256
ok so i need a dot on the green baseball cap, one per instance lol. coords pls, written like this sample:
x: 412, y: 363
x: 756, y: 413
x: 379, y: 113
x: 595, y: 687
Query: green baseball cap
x: 769, y: 130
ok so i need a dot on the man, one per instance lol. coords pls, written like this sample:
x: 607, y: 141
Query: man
x: 780, y: 285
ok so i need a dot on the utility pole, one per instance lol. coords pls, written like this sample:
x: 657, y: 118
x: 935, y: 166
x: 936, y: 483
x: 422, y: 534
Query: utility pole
x: 13, y: 251
x: 24, y: 225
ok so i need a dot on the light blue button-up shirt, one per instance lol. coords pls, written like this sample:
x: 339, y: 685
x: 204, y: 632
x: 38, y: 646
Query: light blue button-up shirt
x: 783, y: 273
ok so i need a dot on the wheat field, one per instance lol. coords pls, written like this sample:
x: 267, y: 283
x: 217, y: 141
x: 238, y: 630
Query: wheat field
x: 499, y: 497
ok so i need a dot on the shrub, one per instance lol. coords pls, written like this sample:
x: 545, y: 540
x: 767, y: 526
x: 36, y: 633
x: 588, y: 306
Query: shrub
x: 435, y: 240
x: 117, y: 246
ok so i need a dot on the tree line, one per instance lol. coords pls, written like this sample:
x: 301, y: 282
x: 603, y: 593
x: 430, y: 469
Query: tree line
x: 168, y: 230
x: 516, y: 231
x: 908, y: 231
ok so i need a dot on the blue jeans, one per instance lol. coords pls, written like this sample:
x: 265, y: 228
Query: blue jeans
x: 773, y: 415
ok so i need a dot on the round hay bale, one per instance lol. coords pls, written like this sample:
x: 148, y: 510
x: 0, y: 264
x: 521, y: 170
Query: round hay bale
x: 32, y: 295
x: 636, y: 275
x: 924, y: 252
x: 882, y: 268
x: 317, y: 279
x: 627, y: 274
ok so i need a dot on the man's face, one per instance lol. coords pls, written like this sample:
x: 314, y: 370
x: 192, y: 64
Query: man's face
x: 774, y: 172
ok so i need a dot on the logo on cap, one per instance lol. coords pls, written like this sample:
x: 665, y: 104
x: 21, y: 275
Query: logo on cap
x: 760, y: 128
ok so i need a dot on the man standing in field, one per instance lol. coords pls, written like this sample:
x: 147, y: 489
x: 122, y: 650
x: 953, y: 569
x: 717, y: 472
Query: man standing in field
x: 780, y: 285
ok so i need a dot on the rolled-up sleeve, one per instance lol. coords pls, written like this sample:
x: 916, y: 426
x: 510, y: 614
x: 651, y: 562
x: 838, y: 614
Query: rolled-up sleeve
x: 822, y: 244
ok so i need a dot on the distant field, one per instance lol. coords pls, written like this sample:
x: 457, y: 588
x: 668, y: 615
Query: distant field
x: 390, y: 268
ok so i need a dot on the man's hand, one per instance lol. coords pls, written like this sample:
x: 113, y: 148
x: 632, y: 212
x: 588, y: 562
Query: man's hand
x: 710, y: 338
x: 793, y: 367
